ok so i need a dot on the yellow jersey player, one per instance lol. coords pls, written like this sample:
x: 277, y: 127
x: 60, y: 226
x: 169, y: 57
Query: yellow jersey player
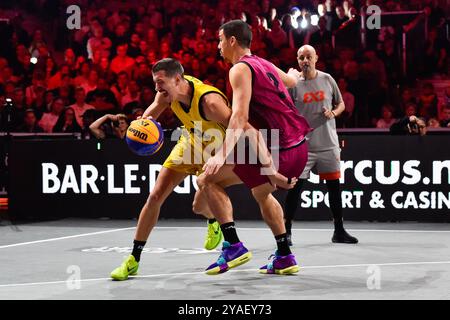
x: 204, y: 112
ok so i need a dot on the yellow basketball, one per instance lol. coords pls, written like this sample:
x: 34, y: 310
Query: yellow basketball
x: 144, y: 137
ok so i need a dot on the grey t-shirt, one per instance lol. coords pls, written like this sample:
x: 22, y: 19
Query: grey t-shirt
x: 310, y: 96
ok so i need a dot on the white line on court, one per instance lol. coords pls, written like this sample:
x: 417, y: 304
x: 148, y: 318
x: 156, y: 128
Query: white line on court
x: 322, y: 230
x: 202, y: 228
x: 393, y: 264
x: 63, y: 238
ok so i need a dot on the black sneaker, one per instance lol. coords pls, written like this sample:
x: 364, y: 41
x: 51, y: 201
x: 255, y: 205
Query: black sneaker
x: 289, y: 239
x: 343, y: 237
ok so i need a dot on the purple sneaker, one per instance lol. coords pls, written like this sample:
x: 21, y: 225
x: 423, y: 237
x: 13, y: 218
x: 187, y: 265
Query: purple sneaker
x: 280, y: 265
x: 232, y: 255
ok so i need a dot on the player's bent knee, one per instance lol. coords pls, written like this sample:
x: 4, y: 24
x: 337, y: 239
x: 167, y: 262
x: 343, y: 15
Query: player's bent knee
x: 196, y: 207
x: 262, y: 193
x: 154, y: 198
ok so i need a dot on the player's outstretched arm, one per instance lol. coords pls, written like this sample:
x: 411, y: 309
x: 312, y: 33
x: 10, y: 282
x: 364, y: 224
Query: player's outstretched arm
x: 157, y: 107
x: 290, y: 78
x: 241, y: 83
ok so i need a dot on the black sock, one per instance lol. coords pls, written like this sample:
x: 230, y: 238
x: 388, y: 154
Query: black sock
x: 211, y: 221
x: 282, y: 244
x: 291, y: 204
x: 229, y: 232
x: 334, y: 193
x: 288, y: 225
x: 138, y: 246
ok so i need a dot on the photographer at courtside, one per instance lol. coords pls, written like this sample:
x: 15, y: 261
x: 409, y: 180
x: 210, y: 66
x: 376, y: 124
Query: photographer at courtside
x: 409, y: 125
x: 110, y: 126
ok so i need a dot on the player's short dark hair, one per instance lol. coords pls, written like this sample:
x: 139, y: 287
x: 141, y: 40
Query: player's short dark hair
x: 171, y: 66
x: 240, y: 30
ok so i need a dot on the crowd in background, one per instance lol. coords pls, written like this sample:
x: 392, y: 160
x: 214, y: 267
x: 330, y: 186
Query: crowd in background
x: 62, y: 80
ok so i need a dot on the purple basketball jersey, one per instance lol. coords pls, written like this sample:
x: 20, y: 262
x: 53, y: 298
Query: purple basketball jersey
x: 271, y: 106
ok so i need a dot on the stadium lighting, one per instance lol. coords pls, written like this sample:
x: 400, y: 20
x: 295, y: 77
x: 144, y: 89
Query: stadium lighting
x: 304, y: 24
x: 294, y: 22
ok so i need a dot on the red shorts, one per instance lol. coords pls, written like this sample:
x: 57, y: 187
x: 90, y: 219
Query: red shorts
x: 292, y: 161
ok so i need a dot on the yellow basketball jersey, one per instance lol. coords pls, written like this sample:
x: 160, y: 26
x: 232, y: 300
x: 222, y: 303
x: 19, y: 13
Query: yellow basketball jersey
x: 199, y: 137
x: 191, y: 117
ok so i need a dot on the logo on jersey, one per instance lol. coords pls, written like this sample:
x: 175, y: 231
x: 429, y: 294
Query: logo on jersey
x: 309, y: 97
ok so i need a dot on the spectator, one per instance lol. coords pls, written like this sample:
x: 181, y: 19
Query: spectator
x: 66, y: 94
x: 387, y: 119
x: 410, y: 110
x: 277, y: 36
x: 31, y: 91
x: 122, y: 62
x: 91, y: 83
x: 66, y: 122
x: 38, y: 104
x: 105, y: 72
x: 348, y: 34
x: 83, y: 77
x: 133, y: 49
x: 152, y: 38
x: 339, y: 19
x: 406, y: 98
x: 436, y: 54
x: 80, y: 105
x: 49, y: 119
x: 88, y: 118
x: 119, y: 37
x: 433, y: 123
x: 428, y: 101
x: 102, y: 98
x: 30, y: 124
x: 98, y: 42
x: 133, y: 94
x: 321, y: 36
x: 70, y: 59
x: 56, y: 80
x: 143, y: 75
x: 445, y: 122
x: 120, y: 89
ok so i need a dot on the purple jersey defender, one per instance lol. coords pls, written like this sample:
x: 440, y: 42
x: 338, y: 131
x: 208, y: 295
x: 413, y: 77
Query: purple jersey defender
x: 271, y: 107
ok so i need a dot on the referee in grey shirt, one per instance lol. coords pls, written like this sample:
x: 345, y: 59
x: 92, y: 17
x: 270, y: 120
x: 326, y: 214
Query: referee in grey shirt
x: 318, y: 99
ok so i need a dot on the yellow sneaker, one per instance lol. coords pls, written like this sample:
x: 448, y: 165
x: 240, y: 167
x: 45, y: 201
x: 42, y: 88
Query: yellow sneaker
x: 128, y: 268
x: 214, y: 236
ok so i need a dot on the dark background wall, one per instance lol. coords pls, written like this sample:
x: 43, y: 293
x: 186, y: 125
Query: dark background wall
x: 404, y: 171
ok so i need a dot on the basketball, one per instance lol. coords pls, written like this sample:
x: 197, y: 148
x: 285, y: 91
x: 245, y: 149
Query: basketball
x: 144, y: 137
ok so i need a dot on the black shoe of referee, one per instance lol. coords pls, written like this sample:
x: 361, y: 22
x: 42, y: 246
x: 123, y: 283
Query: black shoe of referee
x: 341, y: 236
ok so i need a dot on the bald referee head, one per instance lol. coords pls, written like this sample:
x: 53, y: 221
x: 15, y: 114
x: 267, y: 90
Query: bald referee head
x: 307, y: 59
